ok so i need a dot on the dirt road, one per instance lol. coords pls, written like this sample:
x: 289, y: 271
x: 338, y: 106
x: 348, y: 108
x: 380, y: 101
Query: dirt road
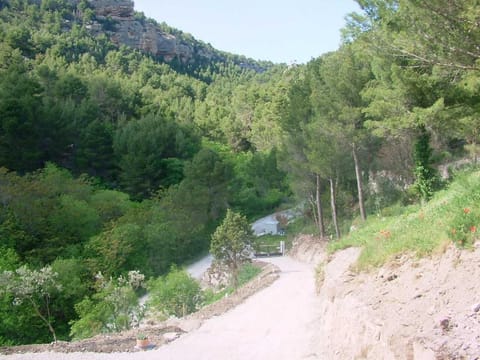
x: 276, y: 323
x: 197, y: 269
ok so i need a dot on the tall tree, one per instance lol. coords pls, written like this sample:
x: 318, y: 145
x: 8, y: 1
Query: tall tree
x: 443, y: 33
x: 297, y: 115
x: 20, y: 120
x: 145, y: 149
x: 337, y: 82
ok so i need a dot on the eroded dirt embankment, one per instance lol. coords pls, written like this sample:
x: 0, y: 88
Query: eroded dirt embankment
x: 409, y: 309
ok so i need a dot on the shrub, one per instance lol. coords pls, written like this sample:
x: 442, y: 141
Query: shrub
x: 177, y: 293
x: 113, y: 308
x: 463, y: 226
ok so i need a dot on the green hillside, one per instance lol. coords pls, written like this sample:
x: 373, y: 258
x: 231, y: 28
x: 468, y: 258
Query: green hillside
x: 452, y: 215
x: 123, y: 142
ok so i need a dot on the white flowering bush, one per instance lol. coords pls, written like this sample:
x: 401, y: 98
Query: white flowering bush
x: 113, y: 308
x: 35, y: 287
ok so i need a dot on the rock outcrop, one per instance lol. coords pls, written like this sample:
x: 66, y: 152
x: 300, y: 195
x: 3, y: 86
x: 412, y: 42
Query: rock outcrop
x: 114, y: 8
x: 126, y: 28
x: 138, y: 33
x: 119, y: 21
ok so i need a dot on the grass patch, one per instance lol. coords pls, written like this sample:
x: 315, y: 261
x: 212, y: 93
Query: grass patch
x: 421, y: 229
x: 271, y: 243
x: 246, y: 273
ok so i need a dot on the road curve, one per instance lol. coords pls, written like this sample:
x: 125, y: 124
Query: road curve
x: 276, y: 323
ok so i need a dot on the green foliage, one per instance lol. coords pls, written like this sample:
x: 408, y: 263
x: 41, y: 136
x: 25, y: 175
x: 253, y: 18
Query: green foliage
x: 232, y: 243
x: 176, y: 293
x: 47, y: 214
x: 247, y: 272
x: 109, y: 204
x: 118, y: 249
x: 114, y: 307
x: 420, y: 229
x: 426, y: 179
x: 463, y: 226
x: 208, y: 175
x: 75, y: 219
x: 258, y: 185
x: 8, y: 259
x: 35, y: 287
x: 21, y: 124
x: 144, y: 148
x: 74, y: 278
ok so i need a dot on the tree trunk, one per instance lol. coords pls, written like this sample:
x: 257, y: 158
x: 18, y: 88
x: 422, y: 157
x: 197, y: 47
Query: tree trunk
x: 321, y: 226
x: 46, y: 320
x: 235, y: 275
x: 313, y: 204
x: 334, y: 208
x: 358, y: 174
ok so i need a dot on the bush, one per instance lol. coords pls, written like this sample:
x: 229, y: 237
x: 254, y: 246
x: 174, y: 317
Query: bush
x: 113, y: 308
x: 463, y: 226
x: 177, y: 293
x: 247, y: 272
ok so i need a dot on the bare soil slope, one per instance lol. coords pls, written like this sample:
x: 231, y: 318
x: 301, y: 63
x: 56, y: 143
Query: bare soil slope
x: 411, y: 309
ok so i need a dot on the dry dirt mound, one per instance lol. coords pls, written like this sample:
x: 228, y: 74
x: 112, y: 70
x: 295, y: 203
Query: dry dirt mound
x: 123, y: 342
x: 410, y: 309
x: 309, y: 248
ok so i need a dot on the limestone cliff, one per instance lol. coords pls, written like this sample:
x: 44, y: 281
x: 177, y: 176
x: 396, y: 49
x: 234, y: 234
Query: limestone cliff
x: 119, y: 21
x: 126, y: 27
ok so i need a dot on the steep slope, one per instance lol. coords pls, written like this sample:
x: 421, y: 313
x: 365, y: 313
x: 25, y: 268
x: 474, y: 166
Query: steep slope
x: 409, y: 309
x: 124, y: 26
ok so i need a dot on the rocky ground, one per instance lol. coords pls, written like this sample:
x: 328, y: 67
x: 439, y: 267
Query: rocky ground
x: 411, y: 308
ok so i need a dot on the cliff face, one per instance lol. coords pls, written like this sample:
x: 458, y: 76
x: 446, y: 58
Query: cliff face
x: 126, y: 29
x: 118, y: 20
x: 137, y: 32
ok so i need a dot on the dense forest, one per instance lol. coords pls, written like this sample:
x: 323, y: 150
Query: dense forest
x: 114, y: 160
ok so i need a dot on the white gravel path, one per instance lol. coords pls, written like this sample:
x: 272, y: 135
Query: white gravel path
x: 278, y: 323
x: 197, y: 269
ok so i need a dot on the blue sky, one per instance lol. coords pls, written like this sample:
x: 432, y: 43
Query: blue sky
x: 275, y: 30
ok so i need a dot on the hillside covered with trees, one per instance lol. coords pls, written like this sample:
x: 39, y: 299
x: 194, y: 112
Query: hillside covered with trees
x: 114, y: 159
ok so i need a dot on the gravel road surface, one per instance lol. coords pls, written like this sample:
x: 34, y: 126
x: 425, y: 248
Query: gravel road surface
x: 278, y: 323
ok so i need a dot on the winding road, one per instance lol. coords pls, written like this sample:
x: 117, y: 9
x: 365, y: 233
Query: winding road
x: 278, y: 323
